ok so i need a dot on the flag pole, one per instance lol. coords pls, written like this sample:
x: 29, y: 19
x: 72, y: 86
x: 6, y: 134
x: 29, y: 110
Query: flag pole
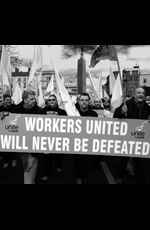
x: 124, y: 99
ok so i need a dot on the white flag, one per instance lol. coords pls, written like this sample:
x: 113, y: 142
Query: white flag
x: 100, y: 88
x: 117, y: 96
x: 94, y: 88
x: 112, y: 81
x: 6, y: 71
x: 106, y: 97
x: 17, y: 94
x: 36, y: 70
x: 41, y: 101
x: 65, y: 97
x: 51, y: 87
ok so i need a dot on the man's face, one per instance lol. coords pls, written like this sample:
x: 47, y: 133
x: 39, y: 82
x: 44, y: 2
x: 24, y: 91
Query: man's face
x: 30, y: 101
x: 139, y: 95
x: 52, y: 102
x: 84, y: 102
x: 97, y: 103
x: 7, y: 102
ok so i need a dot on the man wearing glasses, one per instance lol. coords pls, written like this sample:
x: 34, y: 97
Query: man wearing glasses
x: 52, y: 108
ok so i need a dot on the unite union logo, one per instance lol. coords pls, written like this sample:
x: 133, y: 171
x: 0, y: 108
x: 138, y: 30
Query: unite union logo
x: 139, y: 130
x: 13, y: 127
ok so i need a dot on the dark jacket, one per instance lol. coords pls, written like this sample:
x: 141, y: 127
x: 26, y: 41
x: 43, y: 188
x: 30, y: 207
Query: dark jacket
x: 89, y: 113
x: 134, y: 112
x: 20, y: 109
x: 54, y: 111
x: 9, y: 109
x: 95, y: 108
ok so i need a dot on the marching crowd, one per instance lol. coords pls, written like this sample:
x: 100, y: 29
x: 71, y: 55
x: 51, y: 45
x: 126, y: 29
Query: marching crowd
x: 37, y: 167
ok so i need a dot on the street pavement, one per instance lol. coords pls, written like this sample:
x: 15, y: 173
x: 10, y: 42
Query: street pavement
x: 101, y: 172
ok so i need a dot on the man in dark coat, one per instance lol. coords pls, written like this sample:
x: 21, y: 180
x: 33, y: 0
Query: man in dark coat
x: 135, y: 108
x: 7, y: 107
x: 81, y: 162
x: 32, y: 163
x: 52, y: 108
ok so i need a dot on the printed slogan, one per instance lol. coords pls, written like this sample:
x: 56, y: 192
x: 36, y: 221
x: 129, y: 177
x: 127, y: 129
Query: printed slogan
x: 75, y: 135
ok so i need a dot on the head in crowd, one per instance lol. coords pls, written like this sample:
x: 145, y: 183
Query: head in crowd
x: 139, y: 94
x: 51, y: 101
x: 97, y: 103
x: 84, y: 101
x: 29, y: 99
x: 7, y: 100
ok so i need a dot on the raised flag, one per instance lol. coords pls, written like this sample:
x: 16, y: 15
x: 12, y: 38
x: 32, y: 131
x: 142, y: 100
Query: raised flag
x: 117, y: 95
x: 65, y: 97
x: 112, y: 81
x: 100, y: 88
x: 51, y: 87
x: 94, y: 88
x: 106, y: 97
x: 6, y: 71
x: 17, y: 94
x: 41, y: 101
x: 36, y: 70
x: 103, y: 52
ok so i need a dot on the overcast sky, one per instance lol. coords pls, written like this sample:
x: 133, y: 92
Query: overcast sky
x: 134, y: 55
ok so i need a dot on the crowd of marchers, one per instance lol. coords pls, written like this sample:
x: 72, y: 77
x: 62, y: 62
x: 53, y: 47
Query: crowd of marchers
x: 37, y: 167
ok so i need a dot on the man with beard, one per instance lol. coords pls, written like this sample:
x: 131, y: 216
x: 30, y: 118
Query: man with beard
x: 135, y: 108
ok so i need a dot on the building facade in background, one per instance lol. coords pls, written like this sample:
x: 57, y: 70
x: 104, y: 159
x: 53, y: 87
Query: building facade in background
x: 132, y: 77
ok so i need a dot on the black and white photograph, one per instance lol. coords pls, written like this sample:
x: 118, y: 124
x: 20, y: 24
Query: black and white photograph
x: 74, y: 114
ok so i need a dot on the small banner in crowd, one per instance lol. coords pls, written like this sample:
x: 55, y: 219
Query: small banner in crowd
x: 75, y: 135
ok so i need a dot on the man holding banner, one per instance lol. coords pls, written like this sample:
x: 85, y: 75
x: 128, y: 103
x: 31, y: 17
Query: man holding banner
x: 6, y: 107
x: 81, y: 161
x: 31, y: 162
x: 51, y: 108
x: 135, y: 108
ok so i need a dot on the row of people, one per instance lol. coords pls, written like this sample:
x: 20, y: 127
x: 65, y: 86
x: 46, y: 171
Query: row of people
x: 38, y: 166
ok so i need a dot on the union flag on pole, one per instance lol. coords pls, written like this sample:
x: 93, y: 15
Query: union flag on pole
x: 68, y: 105
x: 6, y: 71
x: 36, y: 69
x: 103, y: 52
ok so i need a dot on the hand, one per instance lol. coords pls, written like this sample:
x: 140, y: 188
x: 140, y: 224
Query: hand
x: 3, y: 114
x: 124, y: 109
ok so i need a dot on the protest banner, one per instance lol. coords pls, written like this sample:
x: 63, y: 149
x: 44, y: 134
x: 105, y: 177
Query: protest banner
x: 75, y: 135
